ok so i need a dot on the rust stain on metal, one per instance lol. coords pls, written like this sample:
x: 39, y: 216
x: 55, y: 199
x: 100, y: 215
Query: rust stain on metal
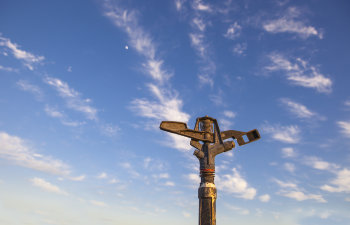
x: 207, y: 131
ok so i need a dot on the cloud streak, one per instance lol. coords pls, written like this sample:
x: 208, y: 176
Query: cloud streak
x: 291, y: 190
x: 289, y: 23
x: 166, y: 104
x: 26, y: 86
x: 300, y: 110
x: 345, y: 127
x: 15, y: 150
x: 27, y: 58
x: 46, y: 186
x: 299, y: 73
x: 73, y: 98
x: 287, y: 134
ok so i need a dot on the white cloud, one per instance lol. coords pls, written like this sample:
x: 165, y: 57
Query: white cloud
x: 98, y: 203
x: 161, y: 176
x: 179, y: 4
x: 300, y: 196
x: 198, y: 42
x: 200, y: 6
x: 225, y: 124
x: 102, y: 175
x: 26, y: 86
x: 72, y: 97
x: 199, y: 23
x: 129, y: 168
x: 286, y: 134
x: 325, y: 214
x: 240, y: 49
x: 15, y: 150
x: 291, y: 190
x: 235, y: 184
x: 169, y: 184
x: 299, y: 110
x: 27, y: 58
x: 341, y: 183
x: 109, y: 129
x: 229, y: 114
x: 53, y: 112
x: 139, y: 39
x: 347, y: 103
x: 239, y: 210
x: 290, y: 167
x: 345, y: 126
x: 233, y: 31
x: 79, y: 178
x: 320, y: 164
x: 300, y: 73
x: 288, y: 152
x: 194, y: 179
x: 289, y: 24
x: 46, y: 186
x: 167, y: 105
x: 8, y: 69
x: 288, y: 185
x: 264, y: 198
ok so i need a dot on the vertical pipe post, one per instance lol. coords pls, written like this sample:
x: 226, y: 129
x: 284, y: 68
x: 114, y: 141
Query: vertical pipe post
x: 207, y: 190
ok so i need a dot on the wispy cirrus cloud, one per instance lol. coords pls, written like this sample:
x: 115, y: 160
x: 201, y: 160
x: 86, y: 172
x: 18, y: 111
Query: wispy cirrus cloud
x: 345, y: 127
x: 300, y: 110
x: 226, y: 122
x: 8, y: 69
x: 235, y: 184
x: 54, y: 113
x: 239, y: 210
x: 291, y: 190
x: 199, y: 42
x: 166, y: 104
x: 98, y: 203
x: 72, y: 97
x: 299, y: 72
x: 290, y: 167
x: 291, y: 22
x: 200, y: 6
x: 15, y: 149
x: 28, y: 59
x: 301, y: 196
x: 340, y: 184
x: 34, y: 89
x: 47, y: 186
x: 139, y: 39
x: 287, y: 134
x: 317, y: 163
x: 288, y: 152
x: 240, y: 49
x: 233, y: 31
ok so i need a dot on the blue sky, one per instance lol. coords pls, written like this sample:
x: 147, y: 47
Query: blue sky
x: 85, y: 85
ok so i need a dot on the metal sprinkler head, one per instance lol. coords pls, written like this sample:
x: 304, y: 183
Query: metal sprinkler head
x: 208, y: 132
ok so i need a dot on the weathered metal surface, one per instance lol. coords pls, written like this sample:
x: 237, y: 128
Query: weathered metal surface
x: 207, y: 130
